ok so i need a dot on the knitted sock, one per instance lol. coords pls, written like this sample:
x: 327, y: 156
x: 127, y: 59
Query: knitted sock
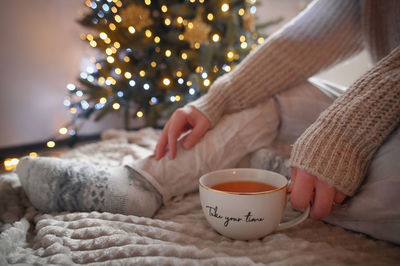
x: 53, y: 184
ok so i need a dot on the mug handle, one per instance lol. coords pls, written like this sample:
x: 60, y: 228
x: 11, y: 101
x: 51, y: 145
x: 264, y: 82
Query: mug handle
x: 295, y: 221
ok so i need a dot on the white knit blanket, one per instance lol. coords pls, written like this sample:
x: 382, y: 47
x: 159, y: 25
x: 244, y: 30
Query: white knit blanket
x: 177, y: 235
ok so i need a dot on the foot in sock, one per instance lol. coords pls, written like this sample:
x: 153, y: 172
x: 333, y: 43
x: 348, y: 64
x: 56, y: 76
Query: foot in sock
x: 53, y: 184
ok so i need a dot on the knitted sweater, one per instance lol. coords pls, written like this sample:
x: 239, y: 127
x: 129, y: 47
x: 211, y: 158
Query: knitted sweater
x: 339, y: 146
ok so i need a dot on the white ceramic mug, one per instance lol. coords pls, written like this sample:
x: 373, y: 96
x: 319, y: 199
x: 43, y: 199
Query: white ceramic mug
x: 246, y: 216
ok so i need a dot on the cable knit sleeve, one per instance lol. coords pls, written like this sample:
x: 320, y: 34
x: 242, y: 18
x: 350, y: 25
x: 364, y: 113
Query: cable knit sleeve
x: 339, y: 146
x: 325, y: 33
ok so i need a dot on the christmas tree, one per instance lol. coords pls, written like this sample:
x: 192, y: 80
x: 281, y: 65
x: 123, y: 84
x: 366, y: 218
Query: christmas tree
x: 157, y: 55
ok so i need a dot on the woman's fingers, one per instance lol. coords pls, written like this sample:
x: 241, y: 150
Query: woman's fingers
x: 323, y: 200
x: 196, y: 134
x: 303, y: 188
x: 162, y: 143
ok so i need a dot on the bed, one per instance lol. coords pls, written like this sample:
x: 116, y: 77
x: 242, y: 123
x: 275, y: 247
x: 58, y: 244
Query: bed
x: 177, y: 235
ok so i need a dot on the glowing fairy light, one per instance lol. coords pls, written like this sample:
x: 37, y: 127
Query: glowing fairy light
x: 241, y: 12
x: 63, y: 131
x: 85, y: 105
x: 116, y: 106
x: 243, y: 45
x: 132, y: 83
x: 79, y: 93
x: 118, y: 18
x: 206, y: 82
x: 10, y: 164
x: 50, y: 144
x: 71, y: 87
x: 103, y: 35
x: 33, y: 154
x: 146, y: 86
x: 166, y: 81
x: 128, y: 75
x: 131, y: 29
x: 253, y: 10
x: 164, y: 8
x: 139, y: 114
x: 216, y: 37
x: 168, y: 53
x: 225, y: 7
x: 110, y: 59
x: 120, y: 94
x: 103, y: 100
x: 192, y: 91
x: 181, y: 81
x: 210, y: 16
x: 204, y: 75
x: 67, y: 103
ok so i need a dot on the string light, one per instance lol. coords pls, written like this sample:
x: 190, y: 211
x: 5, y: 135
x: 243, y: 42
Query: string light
x: 142, y: 73
x: 168, y: 53
x: 114, y: 9
x: 131, y: 29
x: 148, y: 33
x: 126, y: 59
x: 156, y: 39
x: 164, y: 8
x: 241, y: 12
x: 118, y: 18
x: 181, y: 37
x: 243, y: 45
x: 210, y: 16
x: 225, y: 7
x: 242, y: 38
x: 73, y: 110
x: 166, y: 81
x: 112, y: 26
x: 215, y: 37
x: 139, y: 114
x: 103, y: 35
x: 179, y: 20
x: 116, y: 106
x: 167, y: 21
x: 206, y: 82
x: 128, y: 75
x: 10, y: 164
x: 260, y: 40
x: 33, y: 154
x: 50, y: 144
x: 103, y: 100
x: 153, y: 64
x: 110, y: 59
x: 63, y: 131
x: 147, y: 2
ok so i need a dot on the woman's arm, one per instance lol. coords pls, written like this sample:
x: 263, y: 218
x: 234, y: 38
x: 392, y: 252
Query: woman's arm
x: 339, y: 146
x: 325, y: 33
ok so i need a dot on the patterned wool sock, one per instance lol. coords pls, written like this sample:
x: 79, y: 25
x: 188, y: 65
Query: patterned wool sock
x: 54, y: 184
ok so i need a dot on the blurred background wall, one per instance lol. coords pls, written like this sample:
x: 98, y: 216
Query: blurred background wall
x: 41, y: 52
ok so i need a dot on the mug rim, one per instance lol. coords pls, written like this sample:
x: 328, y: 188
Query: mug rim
x: 241, y: 193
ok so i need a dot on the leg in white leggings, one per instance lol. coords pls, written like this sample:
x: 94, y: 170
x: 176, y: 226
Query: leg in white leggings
x: 283, y: 117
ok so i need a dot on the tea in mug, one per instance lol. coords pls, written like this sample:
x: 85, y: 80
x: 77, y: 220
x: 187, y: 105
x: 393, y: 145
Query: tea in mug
x: 243, y: 187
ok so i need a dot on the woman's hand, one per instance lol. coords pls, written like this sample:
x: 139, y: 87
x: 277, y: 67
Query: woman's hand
x: 182, y: 120
x: 306, y: 188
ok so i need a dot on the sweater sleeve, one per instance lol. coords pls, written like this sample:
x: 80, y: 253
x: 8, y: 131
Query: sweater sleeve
x: 340, y: 144
x: 325, y: 33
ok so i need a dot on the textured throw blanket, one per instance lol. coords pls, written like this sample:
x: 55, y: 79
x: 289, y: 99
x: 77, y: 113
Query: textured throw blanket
x: 177, y: 235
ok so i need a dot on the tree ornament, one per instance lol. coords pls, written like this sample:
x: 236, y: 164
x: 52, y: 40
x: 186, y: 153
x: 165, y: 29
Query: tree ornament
x: 197, y: 31
x: 136, y: 16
